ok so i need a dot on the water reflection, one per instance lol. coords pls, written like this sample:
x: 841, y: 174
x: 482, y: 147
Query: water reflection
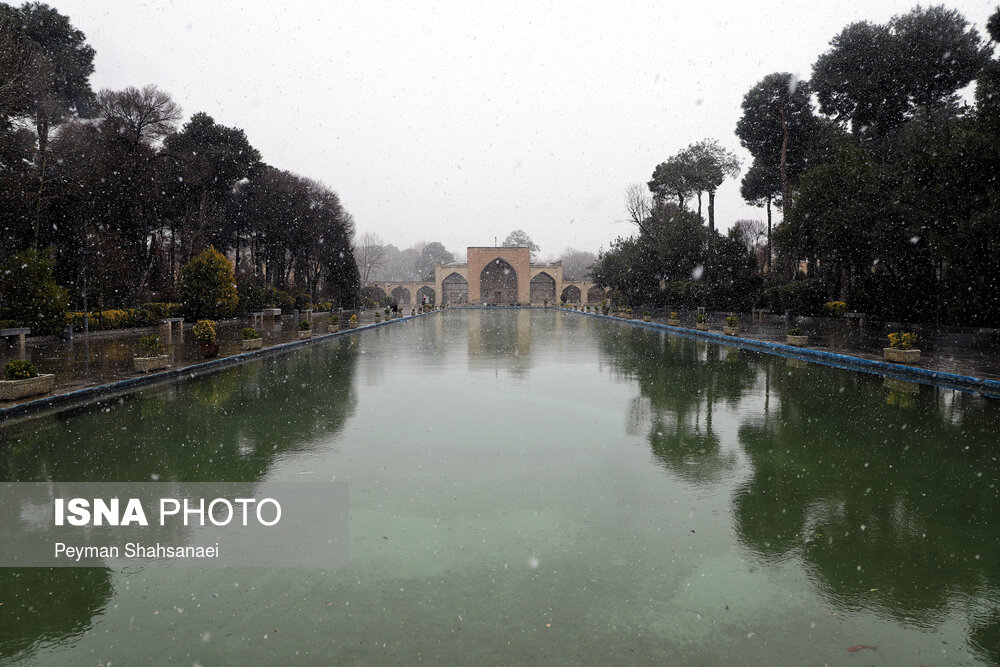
x: 230, y: 426
x: 884, y: 490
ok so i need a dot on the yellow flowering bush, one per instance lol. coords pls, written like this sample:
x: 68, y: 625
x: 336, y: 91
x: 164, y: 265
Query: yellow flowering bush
x: 204, y: 331
x: 902, y: 340
x: 835, y: 308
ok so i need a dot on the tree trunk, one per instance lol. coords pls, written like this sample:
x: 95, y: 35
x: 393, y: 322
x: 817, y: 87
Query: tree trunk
x: 42, y: 127
x: 784, y: 154
x: 768, y: 235
x: 699, y: 205
x: 711, y: 210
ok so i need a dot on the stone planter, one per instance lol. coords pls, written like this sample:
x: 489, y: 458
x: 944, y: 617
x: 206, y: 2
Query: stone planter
x: 147, y: 364
x: 797, y: 341
x: 731, y: 331
x: 645, y: 318
x: 352, y: 325
x: 674, y: 323
x: 11, y: 390
x: 701, y: 326
x: 305, y: 335
x: 332, y: 328
x: 251, y: 343
x: 901, y: 356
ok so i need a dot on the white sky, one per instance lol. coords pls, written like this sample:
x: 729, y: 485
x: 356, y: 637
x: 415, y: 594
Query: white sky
x: 458, y: 122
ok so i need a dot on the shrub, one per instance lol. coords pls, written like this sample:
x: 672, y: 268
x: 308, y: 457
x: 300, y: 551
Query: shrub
x: 794, y: 331
x: 150, y: 346
x: 834, y: 308
x: 204, y: 331
x: 902, y: 340
x: 304, y: 325
x: 732, y: 321
x: 161, y: 310
x: 29, y: 293
x: 19, y: 369
x: 249, y: 333
x: 805, y: 297
x: 645, y: 313
x: 208, y: 286
x: 673, y: 315
x: 354, y: 319
x: 326, y: 306
x: 687, y: 293
x: 702, y: 318
x: 335, y: 320
x: 251, y: 292
x: 275, y: 298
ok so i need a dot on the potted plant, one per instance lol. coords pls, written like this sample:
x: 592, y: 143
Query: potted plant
x: 305, y: 330
x: 794, y: 336
x: 151, y: 357
x: 901, y: 348
x: 628, y: 313
x: 22, y: 379
x: 413, y: 312
x: 674, y: 320
x: 701, y: 322
x: 378, y: 318
x: 353, y: 322
x: 545, y: 302
x: 605, y: 306
x: 387, y: 311
x: 645, y: 316
x: 250, y: 339
x: 334, y: 325
x: 204, y: 333
x: 732, y: 326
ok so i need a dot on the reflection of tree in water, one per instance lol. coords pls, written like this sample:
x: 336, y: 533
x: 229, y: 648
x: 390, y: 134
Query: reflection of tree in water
x: 680, y: 383
x: 889, y: 509
x: 230, y: 426
x: 48, y: 604
x: 225, y: 427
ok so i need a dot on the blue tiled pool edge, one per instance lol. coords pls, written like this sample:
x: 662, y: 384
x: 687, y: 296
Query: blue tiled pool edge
x: 989, y: 388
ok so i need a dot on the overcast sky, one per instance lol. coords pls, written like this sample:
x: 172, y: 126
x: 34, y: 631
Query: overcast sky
x: 459, y: 122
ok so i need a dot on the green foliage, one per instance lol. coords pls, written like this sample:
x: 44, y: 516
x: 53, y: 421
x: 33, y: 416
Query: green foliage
x: 732, y: 321
x: 208, y: 286
x: 249, y: 333
x: 19, y: 369
x: 305, y: 325
x: 687, y: 293
x: 335, y: 320
x: 325, y: 306
x: 701, y: 318
x: 29, y: 293
x: 204, y: 331
x: 150, y: 346
x: 834, y: 308
x: 795, y: 331
x: 803, y: 297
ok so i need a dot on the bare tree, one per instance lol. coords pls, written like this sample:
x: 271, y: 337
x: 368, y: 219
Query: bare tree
x: 140, y: 115
x: 369, y: 251
x: 753, y: 233
x: 638, y: 204
x: 576, y: 263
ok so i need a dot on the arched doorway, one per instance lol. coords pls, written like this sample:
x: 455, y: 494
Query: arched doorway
x: 542, y: 287
x: 401, y: 295
x: 571, y: 294
x: 498, y: 283
x: 595, y: 295
x: 427, y: 292
x: 455, y: 290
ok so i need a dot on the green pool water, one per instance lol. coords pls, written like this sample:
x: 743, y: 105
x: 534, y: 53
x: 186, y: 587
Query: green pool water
x: 544, y: 487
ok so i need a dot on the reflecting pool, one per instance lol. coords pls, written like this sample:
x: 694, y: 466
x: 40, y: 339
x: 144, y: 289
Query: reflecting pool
x: 544, y: 487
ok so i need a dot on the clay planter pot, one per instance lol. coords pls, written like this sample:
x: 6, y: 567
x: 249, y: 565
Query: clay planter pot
x: 251, y: 343
x: 147, y: 364
x: 797, y: 341
x: 701, y: 326
x: 901, y: 356
x: 11, y: 390
x: 731, y: 331
x: 332, y: 328
x: 209, y: 350
x: 305, y: 335
x: 674, y: 323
